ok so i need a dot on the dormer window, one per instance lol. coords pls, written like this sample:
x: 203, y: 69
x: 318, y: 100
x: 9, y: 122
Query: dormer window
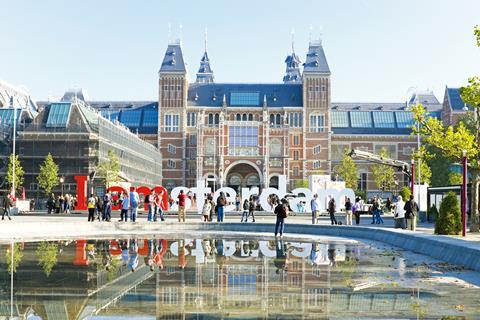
x: 196, y: 97
x: 173, y: 61
x: 214, y: 98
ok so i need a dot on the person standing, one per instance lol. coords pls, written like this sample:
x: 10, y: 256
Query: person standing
x: 107, y: 206
x: 134, y: 200
x: 315, y: 206
x: 357, y: 209
x: 99, y: 206
x: 158, y: 206
x: 150, y: 201
x: 246, y: 207
x: 251, y: 208
x: 181, y: 206
x: 125, y: 207
x: 7, y: 204
x: 50, y: 203
x: 207, y: 206
x: 411, y: 211
x: 399, y: 214
x: 238, y: 202
x: 213, y: 207
x: 221, y: 202
x: 377, y: 211
x: 91, y: 208
x: 281, y: 211
x: 348, y: 212
x: 332, y: 207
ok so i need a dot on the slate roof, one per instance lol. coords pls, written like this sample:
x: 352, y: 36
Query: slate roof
x: 424, y: 97
x: 278, y: 95
x: 292, y: 72
x: 173, y: 59
x: 455, y: 100
x: 205, y: 72
x: 316, y: 60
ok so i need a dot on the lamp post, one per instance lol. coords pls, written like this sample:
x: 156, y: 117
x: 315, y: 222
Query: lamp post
x: 14, y: 140
x: 214, y: 163
x: 464, y: 193
x: 412, y: 177
x: 62, y: 180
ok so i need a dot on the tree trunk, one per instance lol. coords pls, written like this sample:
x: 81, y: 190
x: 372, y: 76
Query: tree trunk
x: 474, y: 227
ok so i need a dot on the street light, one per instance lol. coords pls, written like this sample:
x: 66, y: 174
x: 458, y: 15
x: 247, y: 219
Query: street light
x: 214, y: 163
x: 14, y: 140
x: 464, y: 194
x: 62, y: 180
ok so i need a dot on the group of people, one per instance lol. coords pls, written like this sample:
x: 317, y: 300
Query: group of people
x: 315, y: 206
x: 61, y: 203
x: 211, y: 207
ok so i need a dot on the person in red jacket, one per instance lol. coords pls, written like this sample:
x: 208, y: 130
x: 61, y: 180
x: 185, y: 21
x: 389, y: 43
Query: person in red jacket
x: 181, y: 206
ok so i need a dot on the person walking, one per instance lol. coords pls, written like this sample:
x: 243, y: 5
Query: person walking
x: 251, y: 208
x: 213, y: 208
x: 207, y: 206
x: 399, y: 214
x: 181, y: 206
x: 281, y: 211
x: 91, y: 208
x: 107, y: 206
x: 50, y: 203
x: 377, y: 211
x: 158, y: 211
x: 245, y: 211
x: 221, y: 202
x: 7, y: 204
x: 411, y: 211
x: 356, y: 209
x: 134, y: 200
x: 348, y: 212
x: 332, y: 206
x: 150, y: 201
x: 125, y: 207
x: 315, y: 206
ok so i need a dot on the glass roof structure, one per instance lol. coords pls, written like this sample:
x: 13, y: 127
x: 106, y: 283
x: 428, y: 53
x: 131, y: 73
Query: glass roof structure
x: 150, y: 118
x: 382, y: 119
x: 244, y: 98
x: 361, y: 119
x: 404, y: 119
x: 340, y: 119
x: 58, y: 115
x: 131, y: 118
x: 6, y: 116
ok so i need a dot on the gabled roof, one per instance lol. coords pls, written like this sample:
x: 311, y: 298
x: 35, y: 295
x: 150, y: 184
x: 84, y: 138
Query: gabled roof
x: 278, y: 95
x: 316, y: 60
x: 173, y: 59
x: 455, y: 100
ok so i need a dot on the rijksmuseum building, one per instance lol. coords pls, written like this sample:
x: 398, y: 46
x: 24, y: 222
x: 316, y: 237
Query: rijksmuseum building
x: 247, y: 134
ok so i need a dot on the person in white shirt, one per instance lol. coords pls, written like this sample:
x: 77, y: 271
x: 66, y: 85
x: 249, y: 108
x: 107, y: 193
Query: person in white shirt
x: 315, y: 206
x: 399, y: 214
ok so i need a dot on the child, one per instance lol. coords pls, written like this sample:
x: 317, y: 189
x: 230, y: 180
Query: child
x: 207, y: 206
x: 246, y: 205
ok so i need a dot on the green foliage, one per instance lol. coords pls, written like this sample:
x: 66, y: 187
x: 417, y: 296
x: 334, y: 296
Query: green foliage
x: 48, y: 177
x: 361, y: 193
x: 47, y: 256
x: 433, y: 212
x: 109, y: 169
x: 303, y: 183
x: 347, y: 170
x: 449, y: 219
x: 17, y: 257
x: 18, y: 172
x: 439, y: 165
x: 425, y: 172
x: 455, y: 178
x: 383, y: 175
x: 405, y: 193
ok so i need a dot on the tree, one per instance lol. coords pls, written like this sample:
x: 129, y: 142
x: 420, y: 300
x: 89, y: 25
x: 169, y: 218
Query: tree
x: 347, y: 170
x: 18, y: 172
x: 452, y: 141
x: 48, y: 177
x: 425, y: 172
x: 109, y: 170
x: 47, y: 256
x: 383, y: 175
x: 405, y: 193
x: 455, y: 178
x: 449, y: 220
x: 17, y: 257
x: 438, y: 165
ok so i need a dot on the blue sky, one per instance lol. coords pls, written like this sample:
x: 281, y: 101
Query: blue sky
x: 377, y: 49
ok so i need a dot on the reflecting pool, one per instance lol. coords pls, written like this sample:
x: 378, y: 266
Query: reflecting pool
x: 229, y: 277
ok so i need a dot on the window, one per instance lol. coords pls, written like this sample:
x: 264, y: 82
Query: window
x: 324, y: 88
x: 362, y: 181
x: 295, y: 172
x: 316, y: 164
x: 339, y: 119
x: 213, y: 119
x: 58, y: 115
x: 191, y: 119
x: 243, y: 136
x: 171, y: 149
x: 150, y: 118
x: 295, y: 140
x: 295, y: 155
x: 172, y: 122
x: 383, y: 119
x: 317, y: 123
x: 239, y: 117
x: 192, y: 139
x: 171, y: 164
x: 295, y: 120
x: 317, y: 149
x: 217, y: 119
x: 244, y: 98
x: 408, y: 151
x: 131, y: 118
x: 244, y: 117
x: 361, y: 119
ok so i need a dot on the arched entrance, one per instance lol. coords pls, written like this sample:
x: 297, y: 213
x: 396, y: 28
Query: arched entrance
x: 273, y: 183
x: 243, y: 175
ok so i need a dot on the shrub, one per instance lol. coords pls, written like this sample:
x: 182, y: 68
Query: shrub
x: 433, y: 213
x: 405, y: 193
x: 449, y: 220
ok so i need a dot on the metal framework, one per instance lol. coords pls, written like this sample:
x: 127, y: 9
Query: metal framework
x: 375, y: 158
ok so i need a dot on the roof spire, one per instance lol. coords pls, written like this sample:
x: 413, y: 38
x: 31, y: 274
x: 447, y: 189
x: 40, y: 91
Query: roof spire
x: 310, y: 34
x: 205, y: 72
x: 205, y: 39
x: 293, y: 40
x: 292, y: 73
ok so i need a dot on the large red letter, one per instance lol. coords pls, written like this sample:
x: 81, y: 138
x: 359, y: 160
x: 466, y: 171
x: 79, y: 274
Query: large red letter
x: 80, y: 253
x: 145, y: 191
x: 117, y: 190
x: 157, y: 190
x: 81, y: 192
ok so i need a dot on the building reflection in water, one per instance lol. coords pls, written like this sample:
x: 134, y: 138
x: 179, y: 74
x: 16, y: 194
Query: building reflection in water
x: 204, y: 278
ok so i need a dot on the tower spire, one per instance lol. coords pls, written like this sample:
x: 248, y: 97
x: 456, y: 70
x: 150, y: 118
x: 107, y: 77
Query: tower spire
x: 292, y: 72
x: 206, y: 34
x: 293, y: 40
x: 205, y: 72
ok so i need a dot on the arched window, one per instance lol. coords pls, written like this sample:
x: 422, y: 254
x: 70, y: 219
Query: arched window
x: 278, y: 120
x: 239, y: 117
x: 295, y: 120
x: 253, y: 180
x: 217, y: 119
x: 250, y: 117
x: 272, y: 120
x: 210, y: 119
x: 244, y: 117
